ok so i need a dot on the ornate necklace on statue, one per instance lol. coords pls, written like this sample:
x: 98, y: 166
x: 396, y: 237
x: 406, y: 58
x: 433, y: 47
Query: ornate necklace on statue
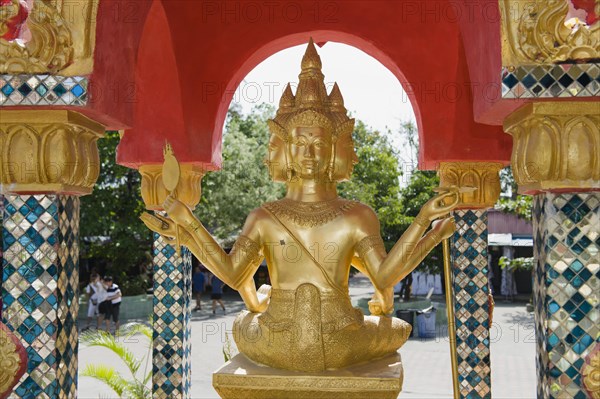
x: 309, y: 214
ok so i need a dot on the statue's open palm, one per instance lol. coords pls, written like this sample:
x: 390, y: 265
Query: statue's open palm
x: 179, y: 212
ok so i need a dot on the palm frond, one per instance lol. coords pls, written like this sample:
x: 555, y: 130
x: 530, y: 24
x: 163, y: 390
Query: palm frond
x: 131, y: 329
x: 147, y: 378
x: 106, y: 340
x: 136, y: 390
x: 107, y: 375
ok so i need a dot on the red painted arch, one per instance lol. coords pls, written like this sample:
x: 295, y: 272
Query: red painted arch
x: 158, y: 108
x: 296, y: 39
x: 192, y: 55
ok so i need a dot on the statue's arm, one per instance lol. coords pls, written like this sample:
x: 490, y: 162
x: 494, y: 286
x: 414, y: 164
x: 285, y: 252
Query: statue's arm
x: 386, y: 269
x: 382, y: 301
x: 412, y: 247
x: 235, y: 268
x: 246, y: 288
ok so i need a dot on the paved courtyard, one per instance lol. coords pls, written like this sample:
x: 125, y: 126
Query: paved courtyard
x: 426, y: 361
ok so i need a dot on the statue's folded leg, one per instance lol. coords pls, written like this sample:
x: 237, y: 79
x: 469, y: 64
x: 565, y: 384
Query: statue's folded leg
x: 270, y: 344
x: 249, y: 337
x: 378, y: 336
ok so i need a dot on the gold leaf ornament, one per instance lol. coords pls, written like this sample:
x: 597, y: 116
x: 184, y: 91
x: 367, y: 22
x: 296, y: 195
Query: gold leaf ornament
x: 171, y: 172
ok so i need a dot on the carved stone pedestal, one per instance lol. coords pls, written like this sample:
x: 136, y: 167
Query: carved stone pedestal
x: 242, y: 378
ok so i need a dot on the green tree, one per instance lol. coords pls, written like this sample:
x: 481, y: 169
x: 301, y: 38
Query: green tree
x: 510, y: 201
x: 111, y: 230
x: 419, y: 190
x: 376, y: 180
x: 243, y: 183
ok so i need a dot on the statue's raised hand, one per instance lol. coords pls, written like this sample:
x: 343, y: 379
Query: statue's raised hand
x: 179, y: 212
x: 165, y: 227
x: 441, y: 204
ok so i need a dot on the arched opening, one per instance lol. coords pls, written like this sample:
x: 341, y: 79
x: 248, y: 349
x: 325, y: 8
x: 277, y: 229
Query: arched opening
x: 372, y: 93
x: 264, y: 84
x: 286, y: 53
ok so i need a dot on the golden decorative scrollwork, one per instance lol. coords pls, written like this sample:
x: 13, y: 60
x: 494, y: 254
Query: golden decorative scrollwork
x: 48, y: 151
x: 10, y: 362
x: 481, y: 175
x: 62, y: 38
x: 591, y: 373
x: 536, y: 32
x: 154, y: 192
x: 556, y: 145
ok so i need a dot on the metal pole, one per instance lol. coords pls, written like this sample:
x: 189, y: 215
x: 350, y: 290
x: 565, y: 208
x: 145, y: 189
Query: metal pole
x: 450, y: 313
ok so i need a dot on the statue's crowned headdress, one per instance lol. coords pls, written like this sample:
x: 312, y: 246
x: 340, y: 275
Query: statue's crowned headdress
x: 312, y: 106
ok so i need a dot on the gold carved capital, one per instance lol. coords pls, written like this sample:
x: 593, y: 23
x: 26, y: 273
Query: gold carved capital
x: 536, y: 32
x: 556, y: 145
x: 154, y: 192
x: 48, y: 151
x: 482, y: 175
x: 57, y: 37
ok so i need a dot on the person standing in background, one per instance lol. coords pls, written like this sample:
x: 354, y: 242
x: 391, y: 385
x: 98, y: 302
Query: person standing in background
x: 217, y: 294
x: 113, y: 297
x: 93, y: 291
x: 198, y: 287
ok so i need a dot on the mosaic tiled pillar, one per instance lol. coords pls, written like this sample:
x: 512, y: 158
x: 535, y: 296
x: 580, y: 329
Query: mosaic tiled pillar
x: 481, y: 188
x: 171, y: 355
x: 40, y: 239
x: 556, y: 158
x: 471, y: 306
x: 171, y: 372
x: 566, y: 289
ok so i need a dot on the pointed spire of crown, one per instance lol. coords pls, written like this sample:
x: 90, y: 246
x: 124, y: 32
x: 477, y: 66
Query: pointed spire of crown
x: 336, y: 100
x: 311, y: 59
x: 286, y: 103
x: 311, y: 91
x: 311, y: 106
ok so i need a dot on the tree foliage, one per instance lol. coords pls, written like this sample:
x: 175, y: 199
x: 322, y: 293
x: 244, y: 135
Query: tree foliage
x: 110, y: 228
x: 510, y: 201
x: 419, y: 190
x: 516, y: 263
x: 243, y: 183
x: 376, y: 180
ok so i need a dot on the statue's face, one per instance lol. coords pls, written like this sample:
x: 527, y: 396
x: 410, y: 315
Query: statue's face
x: 345, y: 158
x: 310, y: 151
x: 276, y: 158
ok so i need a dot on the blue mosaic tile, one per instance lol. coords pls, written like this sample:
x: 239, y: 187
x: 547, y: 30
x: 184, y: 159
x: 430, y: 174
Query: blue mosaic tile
x: 553, y: 80
x: 43, y: 90
x: 171, y: 372
x: 566, y: 289
x: 39, y: 289
x: 469, y: 254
